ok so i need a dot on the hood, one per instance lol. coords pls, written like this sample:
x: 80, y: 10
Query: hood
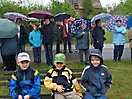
x: 96, y: 52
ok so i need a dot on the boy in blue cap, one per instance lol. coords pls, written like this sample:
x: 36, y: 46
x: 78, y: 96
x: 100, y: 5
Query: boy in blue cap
x: 96, y: 78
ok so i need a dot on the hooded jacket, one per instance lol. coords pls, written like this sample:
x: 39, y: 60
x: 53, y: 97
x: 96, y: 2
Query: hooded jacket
x: 96, y: 80
x: 35, y: 38
x: 119, y: 35
x: 25, y: 82
x: 64, y: 77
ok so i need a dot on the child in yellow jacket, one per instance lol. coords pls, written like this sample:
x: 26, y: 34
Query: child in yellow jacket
x: 61, y: 80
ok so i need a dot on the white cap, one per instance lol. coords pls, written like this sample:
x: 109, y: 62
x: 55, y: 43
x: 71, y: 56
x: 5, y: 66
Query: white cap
x: 23, y: 56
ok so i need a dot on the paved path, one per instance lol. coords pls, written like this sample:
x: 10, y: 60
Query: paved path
x: 107, y: 53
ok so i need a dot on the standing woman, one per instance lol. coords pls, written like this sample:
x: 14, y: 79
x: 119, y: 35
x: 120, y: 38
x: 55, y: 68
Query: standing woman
x: 118, y: 40
x: 130, y: 40
x: 98, y: 35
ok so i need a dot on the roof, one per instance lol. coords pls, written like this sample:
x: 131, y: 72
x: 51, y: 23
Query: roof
x: 96, y: 3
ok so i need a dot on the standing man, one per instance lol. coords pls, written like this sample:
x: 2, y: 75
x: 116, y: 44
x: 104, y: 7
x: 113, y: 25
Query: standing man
x: 118, y: 40
x: 98, y: 35
x: 47, y: 32
x: 66, y: 36
x: 83, y: 43
x: 22, y: 35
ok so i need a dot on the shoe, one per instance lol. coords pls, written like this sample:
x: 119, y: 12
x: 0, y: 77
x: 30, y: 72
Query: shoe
x: 3, y: 66
x: 119, y: 60
x: 64, y: 52
x: 70, y: 52
x: 76, y: 50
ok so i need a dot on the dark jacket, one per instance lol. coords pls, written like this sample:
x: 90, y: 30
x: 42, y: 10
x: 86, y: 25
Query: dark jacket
x: 98, y: 35
x: 58, y: 34
x: 9, y: 46
x: 23, y: 35
x: 96, y: 80
x: 82, y: 39
x: 48, y: 33
x: 25, y: 82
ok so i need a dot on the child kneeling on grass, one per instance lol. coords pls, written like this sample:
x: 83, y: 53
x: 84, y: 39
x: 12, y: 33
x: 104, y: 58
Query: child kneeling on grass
x: 25, y: 82
x: 96, y: 78
x: 61, y: 80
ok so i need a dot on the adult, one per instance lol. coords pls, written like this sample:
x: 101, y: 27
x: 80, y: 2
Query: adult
x: 118, y: 40
x: 83, y: 43
x: 30, y: 27
x: 58, y: 35
x: 98, y: 35
x: 9, y: 49
x: 130, y: 40
x: 66, y: 36
x: 47, y: 32
x: 22, y: 35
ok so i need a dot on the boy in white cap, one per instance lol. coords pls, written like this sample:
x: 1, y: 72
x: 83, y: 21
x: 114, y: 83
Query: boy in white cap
x: 25, y: 82
x: 61, y: 80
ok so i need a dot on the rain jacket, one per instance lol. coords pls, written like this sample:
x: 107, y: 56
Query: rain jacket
x: 25, y: 83
x: 64, y: 77
x: 96, y: 81
x: 82, y: 39
x: 119, y: 35
x: 35, y: 38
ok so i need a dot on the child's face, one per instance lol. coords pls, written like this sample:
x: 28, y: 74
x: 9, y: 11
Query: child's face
x: 95, y: 61
x: 59, y: 65
x: 23, y: 64
x: 35, y: 27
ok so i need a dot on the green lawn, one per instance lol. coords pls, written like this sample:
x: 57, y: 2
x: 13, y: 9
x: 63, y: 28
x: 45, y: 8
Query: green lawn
x: 122, y: 79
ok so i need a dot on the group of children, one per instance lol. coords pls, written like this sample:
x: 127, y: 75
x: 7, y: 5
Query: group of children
x: 96, y: 79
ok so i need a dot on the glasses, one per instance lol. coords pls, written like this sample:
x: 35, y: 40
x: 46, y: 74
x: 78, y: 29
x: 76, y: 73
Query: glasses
x: 22, y: 62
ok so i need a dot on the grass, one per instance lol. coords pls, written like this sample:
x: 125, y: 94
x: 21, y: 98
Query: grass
x: 121, y: 73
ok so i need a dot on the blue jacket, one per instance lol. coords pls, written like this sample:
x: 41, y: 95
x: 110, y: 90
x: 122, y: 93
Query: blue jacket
x: 25, y: 83
x: 82, y: 39
x: 35, y: 38
x: 9, y: 46
x: 96, y: 80
x: 119, y: 35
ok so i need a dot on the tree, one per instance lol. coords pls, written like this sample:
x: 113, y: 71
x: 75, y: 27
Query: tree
x: 88, y: 7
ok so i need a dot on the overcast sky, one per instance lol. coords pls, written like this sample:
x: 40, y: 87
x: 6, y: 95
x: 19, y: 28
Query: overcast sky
x: 103, y: 2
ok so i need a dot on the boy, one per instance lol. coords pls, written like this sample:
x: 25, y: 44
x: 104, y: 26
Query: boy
x: 61, y: 81
x: 25, y: 82
x: 96, y: 78
x: 35, y: 38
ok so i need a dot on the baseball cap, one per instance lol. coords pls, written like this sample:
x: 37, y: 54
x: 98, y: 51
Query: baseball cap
x: 60, y: 58
x: 23, y: 56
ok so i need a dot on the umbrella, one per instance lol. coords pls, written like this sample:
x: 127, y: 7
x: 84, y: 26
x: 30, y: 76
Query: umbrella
x: 14, y: 15
x: 40, y: 14
x: 32, y: 19
x: 129, y: 22
x: 61, y: 16
x: 8, y: 29
x: 76, y: 25
x: 102, y: 16
x: 112, y: 22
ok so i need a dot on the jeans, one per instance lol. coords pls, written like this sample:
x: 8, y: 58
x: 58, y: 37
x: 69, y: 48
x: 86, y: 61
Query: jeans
x: 58, y: 46
x: 67, y: 40
x: 118, y: 51
x: 49, y: 55
x: 89, y: 96
x: 22, y: 48
x: 37, y: 55
x: 86, y: 52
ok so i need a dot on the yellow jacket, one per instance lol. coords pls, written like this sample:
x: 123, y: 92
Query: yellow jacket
x: 63, y: 77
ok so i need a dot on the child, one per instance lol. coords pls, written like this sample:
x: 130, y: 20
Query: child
x: 35, y: 38
x: 25, y: 82
x: 96, y: 78
x: 61, y: 81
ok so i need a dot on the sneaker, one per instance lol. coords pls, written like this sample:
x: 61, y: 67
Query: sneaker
x: 70, y: 52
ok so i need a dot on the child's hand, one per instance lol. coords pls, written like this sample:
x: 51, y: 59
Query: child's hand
x: 60, y: 89
x: 20, y: 97
x: 26, y: 97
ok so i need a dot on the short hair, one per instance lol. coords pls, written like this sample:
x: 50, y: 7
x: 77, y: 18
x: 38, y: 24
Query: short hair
x: 118, y: 21
x: 46, y: 18
x: 18, y: 18
x: 97, y: 21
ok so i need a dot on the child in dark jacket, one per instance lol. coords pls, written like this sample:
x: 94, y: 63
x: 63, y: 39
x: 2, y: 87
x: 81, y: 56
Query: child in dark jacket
x: 36, y: 38
x: 25, y: 82
x: 96, y: 78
